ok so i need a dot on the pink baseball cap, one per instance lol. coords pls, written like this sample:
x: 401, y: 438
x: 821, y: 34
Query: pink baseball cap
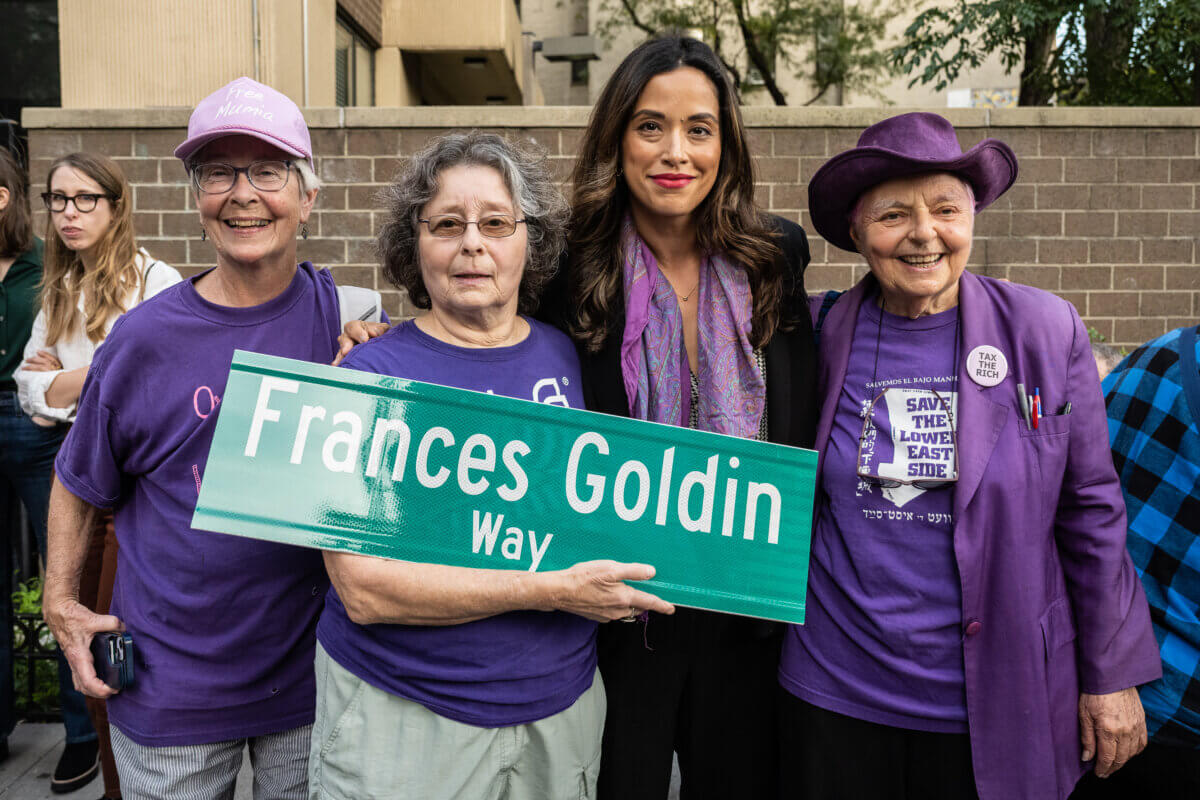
x: 251, y: 108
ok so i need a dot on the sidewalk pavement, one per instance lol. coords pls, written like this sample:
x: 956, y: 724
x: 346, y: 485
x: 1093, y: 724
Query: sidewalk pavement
x: 33, y: 751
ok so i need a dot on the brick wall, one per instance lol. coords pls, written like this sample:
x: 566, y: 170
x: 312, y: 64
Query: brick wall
x: 1106, y: 212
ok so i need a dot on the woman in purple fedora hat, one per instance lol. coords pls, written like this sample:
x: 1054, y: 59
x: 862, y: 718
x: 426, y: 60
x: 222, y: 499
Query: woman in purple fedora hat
x: 974, y: 626
x: 222, y: 627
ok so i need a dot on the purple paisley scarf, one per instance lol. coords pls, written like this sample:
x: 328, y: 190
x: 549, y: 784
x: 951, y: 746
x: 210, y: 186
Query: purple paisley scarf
x: 654, y: 364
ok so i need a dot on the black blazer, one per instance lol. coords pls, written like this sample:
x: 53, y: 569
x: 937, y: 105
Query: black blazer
x: 790, y: 354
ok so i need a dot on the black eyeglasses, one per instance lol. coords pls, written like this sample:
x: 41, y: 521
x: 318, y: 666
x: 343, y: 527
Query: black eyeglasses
x: 266, y: 176
x: 84, y: 203
x: 494, y: 226
x: 888, y: 482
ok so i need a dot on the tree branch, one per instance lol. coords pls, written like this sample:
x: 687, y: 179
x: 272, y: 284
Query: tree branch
x: 756, y: 55
x: 633, y: 17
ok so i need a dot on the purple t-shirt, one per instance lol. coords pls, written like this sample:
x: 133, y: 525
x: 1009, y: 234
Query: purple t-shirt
x: 223, y: 626
x: 509, y: 669
x: 882, y: 639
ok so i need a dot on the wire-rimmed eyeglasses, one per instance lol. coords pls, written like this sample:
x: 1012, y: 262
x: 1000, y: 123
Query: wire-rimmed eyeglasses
x: 494, y: 226
x: 889, y: 482
x: 217, y: 178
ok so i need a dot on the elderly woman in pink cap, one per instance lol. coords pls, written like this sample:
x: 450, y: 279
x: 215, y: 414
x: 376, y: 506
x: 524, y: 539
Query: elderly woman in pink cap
x: 974, y: 625
x: 222, y: 627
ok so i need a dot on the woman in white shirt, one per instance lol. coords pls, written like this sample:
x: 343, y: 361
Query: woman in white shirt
x: 93, y: 273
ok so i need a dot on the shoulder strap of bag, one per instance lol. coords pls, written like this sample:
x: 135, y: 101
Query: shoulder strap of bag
x: 826, y: 304
x: 358, y: 302
x: 1191, y: 377
x: 150, y: 262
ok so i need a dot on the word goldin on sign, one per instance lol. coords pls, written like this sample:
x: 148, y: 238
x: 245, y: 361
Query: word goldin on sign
x: 331, y: 458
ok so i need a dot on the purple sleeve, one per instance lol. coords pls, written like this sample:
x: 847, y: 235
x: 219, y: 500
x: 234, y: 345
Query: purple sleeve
x: 1116, y: 646
x: 88, y: 464
x: 383, y: 317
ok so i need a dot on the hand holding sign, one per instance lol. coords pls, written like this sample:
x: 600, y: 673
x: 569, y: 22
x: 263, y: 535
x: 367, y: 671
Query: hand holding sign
x: 375, y: 590
x: 597, y: 590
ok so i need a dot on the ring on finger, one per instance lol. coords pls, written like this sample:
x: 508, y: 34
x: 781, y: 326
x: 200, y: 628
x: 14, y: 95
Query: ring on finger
x: 632, y: 617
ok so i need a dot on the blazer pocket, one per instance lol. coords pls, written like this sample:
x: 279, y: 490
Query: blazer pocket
x: 1048, y: 427
x: 1062, y: 687
x: 1058, y: 626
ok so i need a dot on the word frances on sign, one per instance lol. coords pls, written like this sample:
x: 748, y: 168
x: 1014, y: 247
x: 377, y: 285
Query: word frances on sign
x: 323, y: 457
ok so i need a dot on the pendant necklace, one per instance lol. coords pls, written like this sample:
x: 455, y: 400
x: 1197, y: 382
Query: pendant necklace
x: 683, y: 298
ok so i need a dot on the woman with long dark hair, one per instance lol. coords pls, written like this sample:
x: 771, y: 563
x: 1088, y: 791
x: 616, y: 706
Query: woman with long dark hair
x: 688, y: 306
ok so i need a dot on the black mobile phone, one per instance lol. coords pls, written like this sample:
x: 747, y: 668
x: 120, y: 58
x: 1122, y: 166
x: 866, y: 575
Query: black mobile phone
x: 112, y: 653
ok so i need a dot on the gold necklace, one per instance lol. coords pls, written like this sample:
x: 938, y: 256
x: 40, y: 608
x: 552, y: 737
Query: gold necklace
x: 683, y: 298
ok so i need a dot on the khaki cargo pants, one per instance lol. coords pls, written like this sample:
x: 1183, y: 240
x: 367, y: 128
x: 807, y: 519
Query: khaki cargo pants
x: 371, y: 745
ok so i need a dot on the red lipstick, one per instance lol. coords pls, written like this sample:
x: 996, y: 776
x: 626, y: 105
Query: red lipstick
x: 672, y: 180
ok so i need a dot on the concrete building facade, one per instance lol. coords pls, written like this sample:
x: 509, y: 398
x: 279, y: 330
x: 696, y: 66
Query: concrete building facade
x: 389, y: 53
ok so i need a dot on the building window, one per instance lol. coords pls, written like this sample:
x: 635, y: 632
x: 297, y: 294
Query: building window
x: 354, y: 67
x: 579, y: 73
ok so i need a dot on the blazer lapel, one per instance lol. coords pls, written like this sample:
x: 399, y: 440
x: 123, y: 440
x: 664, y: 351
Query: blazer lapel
x: 779, y: 388
x: 980, y: 420
x: 837, y: 335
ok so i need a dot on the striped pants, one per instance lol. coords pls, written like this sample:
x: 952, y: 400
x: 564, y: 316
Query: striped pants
x: 209, y: 771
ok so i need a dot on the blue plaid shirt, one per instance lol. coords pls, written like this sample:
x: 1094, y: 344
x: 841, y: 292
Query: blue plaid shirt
x: 1156, y: 449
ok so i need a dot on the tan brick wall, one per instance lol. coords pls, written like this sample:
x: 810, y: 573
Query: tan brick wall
x: 1107, y: 217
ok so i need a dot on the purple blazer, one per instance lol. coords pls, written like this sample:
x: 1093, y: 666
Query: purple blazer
x: 1051, y: 604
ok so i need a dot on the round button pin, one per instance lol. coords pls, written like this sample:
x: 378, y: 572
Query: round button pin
x: 986, y: 365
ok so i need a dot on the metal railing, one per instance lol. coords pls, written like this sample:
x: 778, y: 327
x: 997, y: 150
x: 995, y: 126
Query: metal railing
x: 35, y: 670
x: 34, y: 656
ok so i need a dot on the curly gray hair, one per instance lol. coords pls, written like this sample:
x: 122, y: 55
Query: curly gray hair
x: 528, y: 181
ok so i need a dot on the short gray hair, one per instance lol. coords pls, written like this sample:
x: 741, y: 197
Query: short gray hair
x: 528, y: 181
x: 1107, y: 357
x: 308, y: 178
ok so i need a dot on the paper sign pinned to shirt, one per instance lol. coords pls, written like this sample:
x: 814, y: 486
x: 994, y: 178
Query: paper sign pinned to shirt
x: 336, y: 459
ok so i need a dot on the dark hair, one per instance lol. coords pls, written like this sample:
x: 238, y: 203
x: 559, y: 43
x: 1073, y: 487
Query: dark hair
x: 528, y: 181
x: 16, y: 226
x: 727, y: 220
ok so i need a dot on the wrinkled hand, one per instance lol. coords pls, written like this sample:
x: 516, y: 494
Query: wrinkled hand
x: 73, y: 625
x: 597, y: 590
x: 357, y: 332
x: 1112, y: 729
x: 43, y: 362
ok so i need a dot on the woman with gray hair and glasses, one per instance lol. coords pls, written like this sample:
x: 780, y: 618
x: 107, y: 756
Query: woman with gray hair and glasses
x: 437, y: 681
x: 222, y: 627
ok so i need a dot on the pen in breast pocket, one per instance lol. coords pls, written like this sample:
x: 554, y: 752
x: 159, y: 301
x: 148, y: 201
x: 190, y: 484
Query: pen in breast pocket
x: 1023, y: 401
x: 1037, y: 406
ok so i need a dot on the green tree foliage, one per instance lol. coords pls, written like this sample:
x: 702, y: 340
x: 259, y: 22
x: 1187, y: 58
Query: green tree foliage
x: 1078, y: 52
x: 829, y: 44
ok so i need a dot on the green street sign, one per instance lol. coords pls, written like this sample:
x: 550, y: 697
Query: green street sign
x: 336, y: 459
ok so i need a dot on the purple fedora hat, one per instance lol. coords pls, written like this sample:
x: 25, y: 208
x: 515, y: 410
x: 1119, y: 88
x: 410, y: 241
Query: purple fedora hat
x: 251, y: 108
x: 908, y: 144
